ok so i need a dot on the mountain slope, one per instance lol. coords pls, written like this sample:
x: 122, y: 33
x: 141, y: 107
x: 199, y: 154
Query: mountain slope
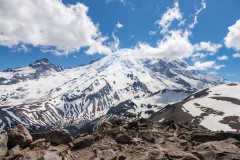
x: 40, y: 68
x: 216, y: 108
x: 78, y: 95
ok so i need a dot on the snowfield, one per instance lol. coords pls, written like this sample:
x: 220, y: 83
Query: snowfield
x: 221, y: 102
x: 44, y: 94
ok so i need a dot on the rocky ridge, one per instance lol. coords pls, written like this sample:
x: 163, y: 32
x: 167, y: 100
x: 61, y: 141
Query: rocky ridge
x: 141, y: 139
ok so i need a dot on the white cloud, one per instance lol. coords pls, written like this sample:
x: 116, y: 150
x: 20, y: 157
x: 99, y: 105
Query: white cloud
x: 199, y: 55
x: 231, y: 74
x: 121, y: 1
x: 115, y: 44
x: 236, y: 55
x: 207, y: 47
x: 232, y: 40
x: 51, y: 25
x: 212, y: 73
x: 169, y: 16
x: 222, y: 58
x: 152, y: 33
x: 175, y: 45
x: 177, y: 40
x: 198, y: 11
x: 217, y: 67
x: 119, y: 25
x: 21, y: 48
x: 205, y: 65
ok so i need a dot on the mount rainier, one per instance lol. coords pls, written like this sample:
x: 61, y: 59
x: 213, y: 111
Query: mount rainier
x: 46, y: 96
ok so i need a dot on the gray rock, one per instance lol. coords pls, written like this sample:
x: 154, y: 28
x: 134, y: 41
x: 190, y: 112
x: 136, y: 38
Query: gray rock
x: 83, y: 142
x: 19, y: 136
x: 3, y: 144
x: 38, y: 143
x: 224, y: 150
x: 147, y: 136
x: 178, y: 154
x: 123, y: 138
x: 15, y: 151
x: 30, y: 155
x: 57, y: 136
x: 40, y: 155
x: 50, y: 155
x: 216, y: 136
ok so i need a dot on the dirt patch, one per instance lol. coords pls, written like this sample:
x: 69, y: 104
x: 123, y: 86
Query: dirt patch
x: 228, y: 99
x: 232, y: 121
x: 232, y: 84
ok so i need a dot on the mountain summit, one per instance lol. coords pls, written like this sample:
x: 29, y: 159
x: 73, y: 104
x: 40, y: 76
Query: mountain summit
x: 121, y: 85
x: 40, y: 68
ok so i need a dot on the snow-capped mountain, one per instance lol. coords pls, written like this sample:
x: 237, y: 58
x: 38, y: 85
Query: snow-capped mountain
x: 59, y: 97
x: 216, y: 108
x: 40, y: 68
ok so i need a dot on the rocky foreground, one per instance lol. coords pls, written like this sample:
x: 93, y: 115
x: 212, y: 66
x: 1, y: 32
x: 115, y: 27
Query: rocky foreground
x: 141, y: 140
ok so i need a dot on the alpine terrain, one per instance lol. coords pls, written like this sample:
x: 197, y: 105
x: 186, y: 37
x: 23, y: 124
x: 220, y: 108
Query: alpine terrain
x: 46, y: 96
x: 216, y: 108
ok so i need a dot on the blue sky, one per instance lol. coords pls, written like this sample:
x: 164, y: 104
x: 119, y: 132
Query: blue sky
x: 71, y: 33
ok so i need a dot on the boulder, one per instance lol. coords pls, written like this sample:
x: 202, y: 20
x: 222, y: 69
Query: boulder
x: 28, y: 155
x: 50, y: 155
x: 15, y: 151
x: 40, y: 155
x: 124, y: 139
x: 156, y: 155
x: 106, y: 154
x: 83, y: 142
x: 19, y: 135
x: 214, y: 136
x: 40, y: 143
x: 147, y: 136
x: 60, y: 148
x: 3, y: 144
x: 224, y: 150
x: 57, y: 137
x: 178, y: 154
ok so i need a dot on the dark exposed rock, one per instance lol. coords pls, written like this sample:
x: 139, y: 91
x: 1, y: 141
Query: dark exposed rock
x: 57, y: 136
x: 214, y: 136
x: 147, y: 136
x: 124, y: 139
x: 139, y: 139
x: 83, y: 142
x: 19, y: 136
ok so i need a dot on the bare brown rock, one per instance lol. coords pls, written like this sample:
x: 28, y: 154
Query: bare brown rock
x: 140, y: 140
x: 15, y: 151
x: 3, y: 144
x: 124, y: 139
x: 83, y: 142
x: 19, y: 136
x: 57, y: 136
x: 225, y: 150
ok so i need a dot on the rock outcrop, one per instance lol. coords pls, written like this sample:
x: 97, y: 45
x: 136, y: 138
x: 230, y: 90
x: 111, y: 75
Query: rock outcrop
x: 19, y: 136
x: 3, y: 144
x: 138, y: 140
